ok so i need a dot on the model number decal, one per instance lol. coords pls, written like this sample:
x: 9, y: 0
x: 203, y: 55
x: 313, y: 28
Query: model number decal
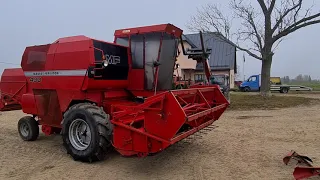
x: 35, y: 79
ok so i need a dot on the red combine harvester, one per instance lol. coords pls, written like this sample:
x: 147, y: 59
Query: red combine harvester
x: 102, y: 95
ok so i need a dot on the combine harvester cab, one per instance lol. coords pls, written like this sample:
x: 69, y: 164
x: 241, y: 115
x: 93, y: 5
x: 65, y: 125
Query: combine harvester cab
x: 109, y: 94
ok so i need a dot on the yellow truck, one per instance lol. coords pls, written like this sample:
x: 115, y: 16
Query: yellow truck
x: 275, y: 80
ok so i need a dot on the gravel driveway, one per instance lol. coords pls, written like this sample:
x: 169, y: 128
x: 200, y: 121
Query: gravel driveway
x: 246, y: 145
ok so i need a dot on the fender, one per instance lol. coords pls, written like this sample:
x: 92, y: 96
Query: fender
x: 28, y: 103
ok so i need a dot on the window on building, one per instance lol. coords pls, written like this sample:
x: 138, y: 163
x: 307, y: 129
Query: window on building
x: 199, y: 77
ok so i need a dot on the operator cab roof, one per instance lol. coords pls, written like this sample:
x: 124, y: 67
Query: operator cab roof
x: 72, y: 39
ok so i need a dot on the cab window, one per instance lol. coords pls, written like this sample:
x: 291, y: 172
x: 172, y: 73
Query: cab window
x: 253, y: 78
x: 34, y: 57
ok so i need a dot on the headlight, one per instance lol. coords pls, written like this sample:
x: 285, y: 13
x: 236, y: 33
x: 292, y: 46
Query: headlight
x: 105, y: 63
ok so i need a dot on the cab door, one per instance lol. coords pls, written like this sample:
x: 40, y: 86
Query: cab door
x: 253, y: 82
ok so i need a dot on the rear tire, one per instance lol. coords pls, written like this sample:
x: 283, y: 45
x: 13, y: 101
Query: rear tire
x: 28, y: 128
x: 226, y: 94
x: 87, y: 132
x: 284, y: 90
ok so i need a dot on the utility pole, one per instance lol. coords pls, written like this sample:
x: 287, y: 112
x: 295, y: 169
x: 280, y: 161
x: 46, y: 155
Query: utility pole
x: 244, y: 60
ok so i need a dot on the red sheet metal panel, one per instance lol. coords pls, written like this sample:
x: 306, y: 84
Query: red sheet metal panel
x: 167, y: 28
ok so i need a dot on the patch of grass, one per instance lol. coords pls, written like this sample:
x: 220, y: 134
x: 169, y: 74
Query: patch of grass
x: 252, y: 102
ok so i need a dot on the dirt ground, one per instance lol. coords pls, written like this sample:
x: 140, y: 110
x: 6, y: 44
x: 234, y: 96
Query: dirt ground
x: 246, y: 145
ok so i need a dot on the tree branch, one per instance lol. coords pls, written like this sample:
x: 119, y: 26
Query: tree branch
x: 285, y: 13
x: 251, y: 22
x: 249, y: 52
x: 297, y: 11
x: 263, y: 6
x: 276, y: 46
x: 303, y: 20
x: 248, y: 15
x: 293, y: 29
x: 273, y: 2
x: 224, y: 39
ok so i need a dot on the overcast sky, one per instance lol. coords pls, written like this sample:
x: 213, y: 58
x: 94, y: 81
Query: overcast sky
x: 25, y: 23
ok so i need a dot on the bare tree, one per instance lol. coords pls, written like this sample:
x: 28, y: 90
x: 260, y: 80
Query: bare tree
x: 260, y: 30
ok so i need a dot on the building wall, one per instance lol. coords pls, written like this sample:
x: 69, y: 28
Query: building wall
x: 191, y: 74
x: 232, y: 78
x: 227, y: 72
x: 187, y: 68
x: 183, y: 61
x: 187, y: 74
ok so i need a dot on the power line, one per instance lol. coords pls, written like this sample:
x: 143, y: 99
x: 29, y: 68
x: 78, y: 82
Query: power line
x: 1, y: 62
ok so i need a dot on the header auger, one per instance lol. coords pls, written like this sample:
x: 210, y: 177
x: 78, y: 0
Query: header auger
x: 101, y: 95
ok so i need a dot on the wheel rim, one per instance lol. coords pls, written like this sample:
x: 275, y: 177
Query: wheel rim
x: 79, y: 134
x: 24, y: 129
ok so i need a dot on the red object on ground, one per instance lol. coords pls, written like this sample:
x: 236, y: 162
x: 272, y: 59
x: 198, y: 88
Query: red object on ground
x: 304, y: 169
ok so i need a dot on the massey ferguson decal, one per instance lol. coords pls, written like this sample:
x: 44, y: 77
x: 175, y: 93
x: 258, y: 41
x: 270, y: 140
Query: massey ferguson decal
x: 112, y: 59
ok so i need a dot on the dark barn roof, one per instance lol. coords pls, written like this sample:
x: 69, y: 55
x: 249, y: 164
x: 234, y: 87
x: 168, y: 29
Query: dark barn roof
x: 223, y: 54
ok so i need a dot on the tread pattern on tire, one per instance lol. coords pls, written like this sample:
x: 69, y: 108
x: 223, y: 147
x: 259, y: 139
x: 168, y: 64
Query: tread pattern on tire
x: 104, y: 128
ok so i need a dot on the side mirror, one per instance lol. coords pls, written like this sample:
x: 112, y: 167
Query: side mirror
x: 105, y: 63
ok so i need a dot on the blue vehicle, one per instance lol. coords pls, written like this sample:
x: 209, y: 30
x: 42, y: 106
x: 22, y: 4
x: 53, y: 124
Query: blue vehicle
x: 253, y: 83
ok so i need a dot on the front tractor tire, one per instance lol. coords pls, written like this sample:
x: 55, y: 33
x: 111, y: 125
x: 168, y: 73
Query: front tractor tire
x: 86, y: 132
x: 28, y: 128
x: 246, y: 89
